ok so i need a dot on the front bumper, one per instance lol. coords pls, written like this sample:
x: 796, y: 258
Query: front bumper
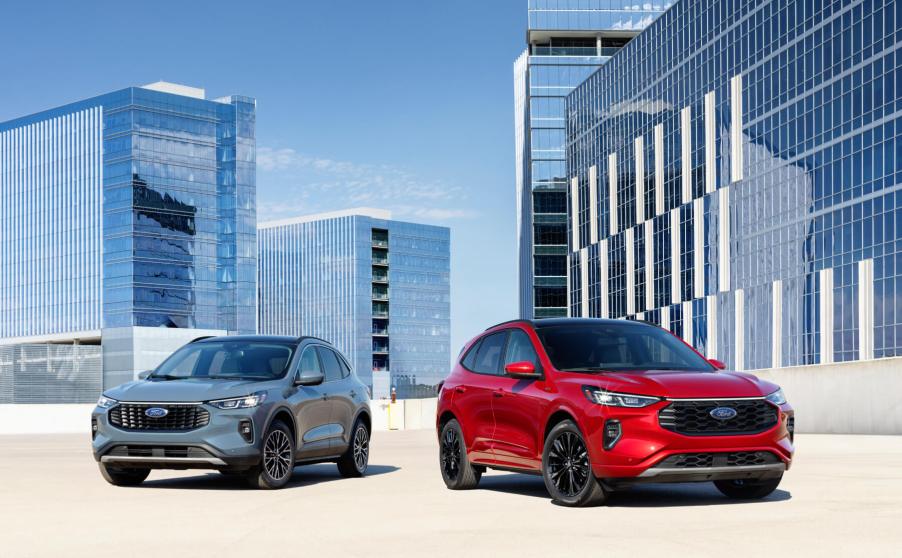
x: 217, y: 445
x: 642, y: 451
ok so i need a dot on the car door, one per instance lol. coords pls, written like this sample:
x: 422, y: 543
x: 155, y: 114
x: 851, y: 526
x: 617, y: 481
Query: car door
x: 338, y: 390
x: 473, y: 396
x: 517, y: 406
x: 312, y: 410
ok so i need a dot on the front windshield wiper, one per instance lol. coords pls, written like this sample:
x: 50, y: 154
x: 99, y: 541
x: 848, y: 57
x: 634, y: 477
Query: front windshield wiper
x: 588, y: 369
x: 166, y: 377
x: 222, y: 377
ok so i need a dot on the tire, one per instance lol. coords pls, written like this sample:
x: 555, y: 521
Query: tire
x: 354, y: 461
x: 457, y: 471
x: 277, y: 459
x: 748, y: 489
x: 567, y: 470
x: 123, y: 477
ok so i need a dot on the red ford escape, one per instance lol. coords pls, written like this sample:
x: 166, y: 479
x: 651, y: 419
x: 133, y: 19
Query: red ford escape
x: 598, y: 405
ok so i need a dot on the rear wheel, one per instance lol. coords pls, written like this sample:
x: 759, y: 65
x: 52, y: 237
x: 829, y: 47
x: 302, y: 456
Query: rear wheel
x: 123, y: 477
x: 743, y: 489
x: 277, y: 463
x: 356, y: 459
x: 567, y: 470
x: 457, y: 472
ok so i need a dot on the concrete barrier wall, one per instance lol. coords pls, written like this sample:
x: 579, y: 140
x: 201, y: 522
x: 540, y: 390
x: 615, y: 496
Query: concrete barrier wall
x: 844, y: 398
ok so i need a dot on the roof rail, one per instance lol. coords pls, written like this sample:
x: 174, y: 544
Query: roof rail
x: 201, y: 338
x: 304, y: 337
x: 523, y: 320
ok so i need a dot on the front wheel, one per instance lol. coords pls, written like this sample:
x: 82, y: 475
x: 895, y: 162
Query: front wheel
x: 356, y: 459
x: 567, y: 470
x: 123, y: 477
x: 277, y: 462
x: 743, y: 489
x: 457, y: 471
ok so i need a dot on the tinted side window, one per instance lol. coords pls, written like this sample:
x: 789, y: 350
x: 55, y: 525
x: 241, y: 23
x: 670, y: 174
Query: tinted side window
x: 488, y: 359
x: 520, y: 349
x: 331, y: 368
x: 345, y: 369
x: 469, y: 361
x: 309, y: 361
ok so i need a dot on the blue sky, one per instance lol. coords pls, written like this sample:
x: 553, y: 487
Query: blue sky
x: 401, y: 104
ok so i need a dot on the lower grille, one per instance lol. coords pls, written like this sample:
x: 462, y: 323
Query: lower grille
x: 732, y: 459
x: 693, y: 418
x: 132, y: 416
x: 159, y: 451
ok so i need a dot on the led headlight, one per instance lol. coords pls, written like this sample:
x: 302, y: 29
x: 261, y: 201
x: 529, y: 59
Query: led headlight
x: 611, y: 399
x: 105, y: 402
x: 777, y: 397
x: 246, y: 402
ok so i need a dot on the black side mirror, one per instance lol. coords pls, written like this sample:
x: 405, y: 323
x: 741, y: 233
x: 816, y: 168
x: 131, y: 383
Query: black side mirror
x: 309, y: 378
x: 143, y: 375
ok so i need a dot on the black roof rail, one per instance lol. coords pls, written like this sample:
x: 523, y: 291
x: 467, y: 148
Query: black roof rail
x: 201, y: 338
x: 305, y: 337
x: 523, y: 320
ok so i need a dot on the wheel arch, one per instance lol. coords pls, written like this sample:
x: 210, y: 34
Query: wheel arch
x: 558, y: 416
x: 286, y: 416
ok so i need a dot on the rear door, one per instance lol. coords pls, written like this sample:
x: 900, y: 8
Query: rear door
x: 312, y: 410
x: 338, y: 389
x: 473, y: 396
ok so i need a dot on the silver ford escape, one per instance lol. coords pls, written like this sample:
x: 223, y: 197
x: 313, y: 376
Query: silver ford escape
x: 246, y: 405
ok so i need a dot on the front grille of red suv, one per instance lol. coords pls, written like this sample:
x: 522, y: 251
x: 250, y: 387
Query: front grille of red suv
x: 732, y: 459
x: 693, y: 418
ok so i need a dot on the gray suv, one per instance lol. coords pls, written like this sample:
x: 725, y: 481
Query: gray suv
x: 246, y: 405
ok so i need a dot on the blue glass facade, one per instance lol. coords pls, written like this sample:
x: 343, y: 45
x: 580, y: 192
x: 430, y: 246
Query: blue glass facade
x: 567, y: 41
x: 378, y: 289
x: 734, y: 176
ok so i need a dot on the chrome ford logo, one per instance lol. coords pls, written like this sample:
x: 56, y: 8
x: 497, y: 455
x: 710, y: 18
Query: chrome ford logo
x: 156, y: 412
x: 723, y: 413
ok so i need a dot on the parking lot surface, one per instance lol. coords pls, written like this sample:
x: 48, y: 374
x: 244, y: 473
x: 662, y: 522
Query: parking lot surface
x: 843, y: 497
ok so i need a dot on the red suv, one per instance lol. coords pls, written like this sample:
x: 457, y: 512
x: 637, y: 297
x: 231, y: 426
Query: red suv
x: 597, y: 405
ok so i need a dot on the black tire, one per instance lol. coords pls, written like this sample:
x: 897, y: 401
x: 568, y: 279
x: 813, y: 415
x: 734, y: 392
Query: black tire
x: 748, y: 489
x: 277, y: 458
x: 567, y: 470
x: 457, y: 471
x: 354, y: 461
x: 123, y: 477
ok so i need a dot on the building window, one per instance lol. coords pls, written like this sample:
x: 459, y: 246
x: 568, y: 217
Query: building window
x: 551, y: 296
x: 551, y: 234
x: 549, y: 202
x: 551, y: 266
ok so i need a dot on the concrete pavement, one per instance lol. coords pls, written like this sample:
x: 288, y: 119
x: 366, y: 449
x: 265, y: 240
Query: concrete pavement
x: 843, y: 497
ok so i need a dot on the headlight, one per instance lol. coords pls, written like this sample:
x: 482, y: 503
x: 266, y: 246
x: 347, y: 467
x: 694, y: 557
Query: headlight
x: 777, y: 397
x: 105, y: 402
x: 611, y: 399
x: 245, y: 402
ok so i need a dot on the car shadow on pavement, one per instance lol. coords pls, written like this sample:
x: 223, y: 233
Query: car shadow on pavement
x: 304, y: 475
x: 643, y: 496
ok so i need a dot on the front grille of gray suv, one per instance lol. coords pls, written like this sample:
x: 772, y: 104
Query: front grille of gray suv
x: 133, y: 416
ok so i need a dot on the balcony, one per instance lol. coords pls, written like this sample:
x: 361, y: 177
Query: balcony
x: 573, y: 51
x: 380, y: 277
x: 380, y: 260
x: 380, y: 294
x: 380, y: 348
x: 380, y: 243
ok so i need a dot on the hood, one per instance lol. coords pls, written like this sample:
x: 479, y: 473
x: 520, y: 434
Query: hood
x: 180, y: 391
x: 684, y: 385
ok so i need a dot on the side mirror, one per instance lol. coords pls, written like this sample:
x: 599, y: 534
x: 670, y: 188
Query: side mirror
x: 717, y: 364
x: 143, y: 375
x: 309, y: 378
x: 524, y: 370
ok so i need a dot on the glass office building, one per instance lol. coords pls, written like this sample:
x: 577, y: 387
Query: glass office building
x: 376, y: 288
x: 127, y: 221
x: 566, y: 41
x: 735, y: 177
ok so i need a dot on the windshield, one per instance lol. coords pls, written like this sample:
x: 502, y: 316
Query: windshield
x: 617, y: 347
x: 227, y: 360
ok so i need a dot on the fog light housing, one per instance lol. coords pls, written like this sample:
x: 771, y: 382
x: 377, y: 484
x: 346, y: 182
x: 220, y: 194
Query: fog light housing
x: 93, y: 428
x: 612, y: 433
x: 791, y: 427
x: 246, y: 429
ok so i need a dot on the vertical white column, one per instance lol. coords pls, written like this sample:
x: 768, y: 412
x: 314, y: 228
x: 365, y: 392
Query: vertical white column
x: 866, y: 309
x: 711, y: 310
x: 649, y: 265
x: 603, y: 277
x: 640, y: 179
x: 698, y: 247
x: 686, y: 152
x: 612, y: 192
x: 777, y: 330
x: 630, y: 272
x: 710, y: 143
x: 736, y: 167
x: 687, y: 335
x: 593, y: 205
x: 584, y: 281
x: 676, y: 248
x: 659, y: 169
x: 826, y: 311
x: 569, y: 284
x: 665, y: 317
x: 739, y: 331
x: 723, y: 239
x: 574, y: 211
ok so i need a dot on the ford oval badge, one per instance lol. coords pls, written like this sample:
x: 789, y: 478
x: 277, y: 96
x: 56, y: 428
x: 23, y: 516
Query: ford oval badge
x: 156, y: 412
x: 723, y: 413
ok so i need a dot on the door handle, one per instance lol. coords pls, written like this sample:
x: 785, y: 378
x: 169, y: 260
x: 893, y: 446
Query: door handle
x: 353, y: 393
x: 325, y: 397
x: 460, y: 389
x: 498, y: 393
